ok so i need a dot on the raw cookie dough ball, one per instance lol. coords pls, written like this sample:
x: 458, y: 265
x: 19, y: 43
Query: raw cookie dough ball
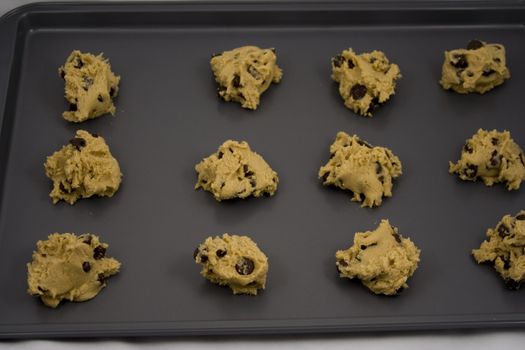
x: 492, y: 156
x: 244, y: 73
x: 83, y: 168
x: 365, y: 80
x: 479, y: 68
x: 235, y: 171
x: 90, y: 86
x: 505, y: 249
x: 381, y: 259
x: 235, y: 261
x: 365, y: 170
x: 70, y: 267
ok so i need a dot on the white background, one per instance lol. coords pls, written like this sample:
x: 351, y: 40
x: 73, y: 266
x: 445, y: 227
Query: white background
x: 502, y: 339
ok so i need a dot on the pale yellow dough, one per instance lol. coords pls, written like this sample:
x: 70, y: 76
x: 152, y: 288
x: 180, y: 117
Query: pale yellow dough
x: 235, y: 261
x: 235, y: 171
x: 479, y: 68
x: 365, y: 80
x: 492, y: 156
x: 244, y: 73
x: 83, y: 168
x: 365, y: 170
x: 90, y: 86
x: 505, y: 249
x: 69, y: 267
x: 382, y: 259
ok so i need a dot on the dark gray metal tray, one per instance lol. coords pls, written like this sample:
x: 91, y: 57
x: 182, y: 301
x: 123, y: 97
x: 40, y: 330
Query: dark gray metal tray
x: 169, y: 117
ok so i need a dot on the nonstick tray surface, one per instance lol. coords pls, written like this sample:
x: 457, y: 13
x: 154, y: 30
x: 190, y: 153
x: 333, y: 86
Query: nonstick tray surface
x: 169, y: 117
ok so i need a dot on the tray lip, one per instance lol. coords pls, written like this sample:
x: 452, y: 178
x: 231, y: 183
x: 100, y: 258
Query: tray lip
x: 14, y: 18
x: 298, y: 5
x: 255, y: 327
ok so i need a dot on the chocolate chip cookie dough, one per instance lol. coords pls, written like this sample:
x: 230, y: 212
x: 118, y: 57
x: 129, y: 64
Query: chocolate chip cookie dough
x: 382, y: 259
x: 233, y: 260
x: 83, y: 168
x: 478, y: 68
x: 69, y: 267
x: 492, y: 156
x: 235, y: 171
x: 365, y: 170
x: 366, y: 80
x: 90, y: 86
x: 244, y: 73
x: 505, y: 249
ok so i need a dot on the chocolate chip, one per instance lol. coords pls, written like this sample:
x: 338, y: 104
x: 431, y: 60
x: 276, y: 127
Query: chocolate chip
x: 494, y: 141
x: 511, y: 284
x: 100, y: 99
x: 245, y: 266
x: 358, y: 91
x: 86, y: 266
x: 381, y: 178
x: 503, y: 230
x: 495, y: 158
x: 99, y: 252
x: 467, y: 148
x: 220, y: 154
x: 486, y: 73
x: 254, y: 72
x: 86, y: 83
x: 253, y: 183
x: 379, y: 168
x: 88, y: 239
x: 461, y: 62
x: 506, y: 263
x: 220, y: 253
x: 101, y: 278
x: 247, y: 171
x: 363, y: 247
x: 94, y: 135
x: 111, y: 92
x: 374, y: 103
x: 399, y: 290
x: 78, y: 64
x: 78, y: 143
x: 520, y: 217
x: 62, y: 74
x: 324, y: 177
x: 204, y: 258
x: 236, y: 81
x: 72, y: 107
x: 342, y: 262
x: 351, y: 64
x: 470, y: 74
x: 41, y: 289
x: 397, y: 237
x: 62, y: 188
x: 471, y: 170
x: 475, y: 44
x: 522, y: 159
x: 195, y: 253
x: 273, y: 50
x: 338, y: 60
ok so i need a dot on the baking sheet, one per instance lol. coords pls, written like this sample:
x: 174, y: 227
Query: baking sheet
x: 169, y: 118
